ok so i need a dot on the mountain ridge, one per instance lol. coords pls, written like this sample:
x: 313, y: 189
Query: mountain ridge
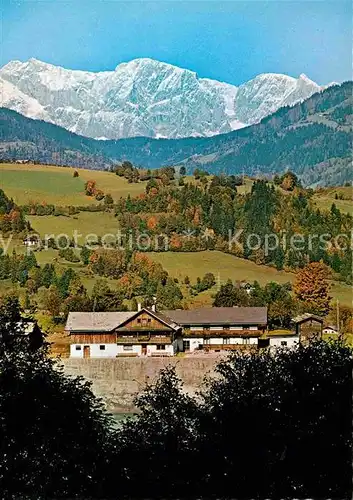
x: 312, y: 138
x: 144, y: 97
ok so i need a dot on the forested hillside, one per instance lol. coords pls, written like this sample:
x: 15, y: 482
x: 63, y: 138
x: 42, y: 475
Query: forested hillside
x: 254, y: 226
x: 312, y: 139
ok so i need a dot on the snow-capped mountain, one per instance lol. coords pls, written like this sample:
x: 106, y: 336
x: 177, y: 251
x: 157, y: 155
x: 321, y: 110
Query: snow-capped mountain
x: 144, y: 97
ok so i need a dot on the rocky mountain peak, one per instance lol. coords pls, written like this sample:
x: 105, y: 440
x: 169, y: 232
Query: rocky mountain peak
x: 144, y: 97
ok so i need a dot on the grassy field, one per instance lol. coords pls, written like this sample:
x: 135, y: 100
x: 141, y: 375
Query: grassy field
x: 56, y: 185
x: 225, y: 266
x: 326, y: 197
x: 85, y: 223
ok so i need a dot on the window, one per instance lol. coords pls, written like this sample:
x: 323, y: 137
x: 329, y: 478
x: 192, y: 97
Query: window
x: 246, y: 340
x: 102, y: 347
x: 78, y: 348
x: 226, y: 341
x: 149, y: 320
x: 206, y: 341
x: 138, y: 320
x: 127, y: 348
x: 186, y: 345
x: 160, y: 347
x: 283, y: 342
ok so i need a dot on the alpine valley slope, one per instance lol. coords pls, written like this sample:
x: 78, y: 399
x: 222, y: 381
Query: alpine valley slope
x: 312, y: 138
x: 144, y: 97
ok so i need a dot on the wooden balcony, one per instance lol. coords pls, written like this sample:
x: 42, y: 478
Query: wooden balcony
x: 221, y: 333
x: 144, y: 339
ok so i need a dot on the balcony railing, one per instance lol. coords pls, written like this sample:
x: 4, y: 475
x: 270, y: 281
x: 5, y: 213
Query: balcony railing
x: 144, y: 339
x: 221, y: 333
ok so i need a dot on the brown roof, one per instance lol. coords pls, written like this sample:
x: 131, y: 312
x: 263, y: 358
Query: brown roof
x: 307, y: 316
x: 220, y: 316
x: 96, y: 321
x: 160, y: 317
x: 108, y: 321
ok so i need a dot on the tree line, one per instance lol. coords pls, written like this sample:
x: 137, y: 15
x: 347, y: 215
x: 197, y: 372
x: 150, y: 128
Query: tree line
x: 61, y: 290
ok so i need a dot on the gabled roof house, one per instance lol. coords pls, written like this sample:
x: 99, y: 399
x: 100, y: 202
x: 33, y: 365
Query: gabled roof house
x: 111, y: 334
x: 151, y: 333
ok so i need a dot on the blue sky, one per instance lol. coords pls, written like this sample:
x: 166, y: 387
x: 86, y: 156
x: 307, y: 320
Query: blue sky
x: 230, y: 41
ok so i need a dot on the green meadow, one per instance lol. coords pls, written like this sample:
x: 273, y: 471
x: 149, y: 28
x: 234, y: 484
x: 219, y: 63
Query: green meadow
x: 324, y: 199
x: 225, y: 266
x: 56, y: 185
x: 84, y: 223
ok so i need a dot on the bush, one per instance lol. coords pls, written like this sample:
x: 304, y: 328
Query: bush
x: 69, y: 255
x: 51, y: 426
x: 289, y: 412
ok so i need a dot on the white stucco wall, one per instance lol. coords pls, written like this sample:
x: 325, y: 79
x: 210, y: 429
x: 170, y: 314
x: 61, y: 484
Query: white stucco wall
x: 75, y: 353
x: 277, y: 341
x: 194, y: 343
x: 167, y: 351
x: 236, y: 340
x: 135, y: 349
x: 112, y: 350
x: 109, y: 351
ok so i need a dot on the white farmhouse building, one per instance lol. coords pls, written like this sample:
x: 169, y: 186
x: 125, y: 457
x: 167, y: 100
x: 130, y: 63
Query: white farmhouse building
x: 220, y: 328
x: 112, y: 334
x: 147, y: 332
x: 330, y: 329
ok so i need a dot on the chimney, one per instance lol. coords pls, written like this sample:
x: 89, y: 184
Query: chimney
x: 153, y: 307
x: 139, y: 307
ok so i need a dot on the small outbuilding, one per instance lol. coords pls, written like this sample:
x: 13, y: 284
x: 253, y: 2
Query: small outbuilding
x: 31, y: 241
x: 308, y: 327
x: 279, y: 338
x: 330, y: 329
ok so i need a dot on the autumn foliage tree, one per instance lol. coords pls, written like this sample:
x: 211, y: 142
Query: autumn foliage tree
x: 90, y: 188
x: 311, y: 288
x: 289, y: 181
x: 110, y: 263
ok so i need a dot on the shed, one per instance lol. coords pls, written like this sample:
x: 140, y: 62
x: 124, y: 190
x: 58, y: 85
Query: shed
x: 308, y: 326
